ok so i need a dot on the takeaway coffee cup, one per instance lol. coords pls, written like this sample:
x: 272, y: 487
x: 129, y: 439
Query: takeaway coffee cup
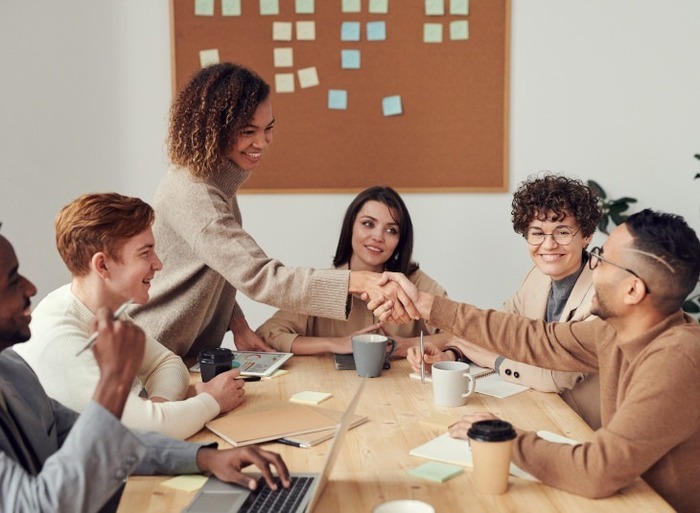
x: 491, y: 443
x: 215, y: 361
x: 369, y: 353
x: 452, y: 383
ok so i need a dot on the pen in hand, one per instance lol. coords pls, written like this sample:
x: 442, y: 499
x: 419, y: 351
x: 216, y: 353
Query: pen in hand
x: 118, y: 312
x: 422, y: 359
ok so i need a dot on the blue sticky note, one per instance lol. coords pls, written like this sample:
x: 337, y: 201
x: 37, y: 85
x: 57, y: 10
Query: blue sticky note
x: 269, y: 7
x: 391, y: 105
x: 350, y: 31
x: 350, y: 59
x: 376, y: 31
x: 337, y: 99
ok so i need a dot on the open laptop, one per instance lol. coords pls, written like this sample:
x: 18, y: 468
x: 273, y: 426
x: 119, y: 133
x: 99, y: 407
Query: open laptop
x: 304, y: 493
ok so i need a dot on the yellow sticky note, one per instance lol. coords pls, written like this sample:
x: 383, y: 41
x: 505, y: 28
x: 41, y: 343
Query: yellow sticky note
x: 310, y: 397
x: 308, y: 77
x: 284, y: 83
x: 282, y: 31
x: 440, y: 420
x: 281, y: 372
x: 283, y: 57
x: 306, y: 30
x: 208, y: 57
x: 188, y: 483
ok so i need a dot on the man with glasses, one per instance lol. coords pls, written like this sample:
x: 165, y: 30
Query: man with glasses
x: 645, y: 349
x: 557, y: 216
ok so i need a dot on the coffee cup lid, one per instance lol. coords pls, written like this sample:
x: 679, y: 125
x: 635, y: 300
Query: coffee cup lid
x: 215, y: 355
x: 491, y: 431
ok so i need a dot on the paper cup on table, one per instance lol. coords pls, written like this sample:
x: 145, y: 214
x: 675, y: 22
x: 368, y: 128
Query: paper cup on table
x: 404, y: 506
x: 369, y: 353
x: 452, y: 383
x: 491, y: 443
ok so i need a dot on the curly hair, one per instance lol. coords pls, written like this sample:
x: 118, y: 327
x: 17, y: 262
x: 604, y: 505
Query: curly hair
x: 208, y: 114
x: 537, y: 197
x: 98, y: 222
x: 400, y: 260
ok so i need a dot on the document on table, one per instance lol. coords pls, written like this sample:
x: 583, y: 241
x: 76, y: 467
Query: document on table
x: 456, y: 451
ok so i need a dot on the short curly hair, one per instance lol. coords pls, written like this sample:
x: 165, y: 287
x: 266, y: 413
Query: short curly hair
x: 536, y: 197
x: 208, y: 114
x: 98, y: 222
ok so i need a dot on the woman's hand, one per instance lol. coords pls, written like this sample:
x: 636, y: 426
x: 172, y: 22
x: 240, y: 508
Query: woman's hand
x: 460, y: 429
x: 432, y: 355
x: 476, y: 354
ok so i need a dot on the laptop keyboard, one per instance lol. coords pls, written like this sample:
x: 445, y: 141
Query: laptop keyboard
x: 265, y: 500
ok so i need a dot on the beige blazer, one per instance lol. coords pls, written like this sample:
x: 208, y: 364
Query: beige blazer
x: 580, y: 391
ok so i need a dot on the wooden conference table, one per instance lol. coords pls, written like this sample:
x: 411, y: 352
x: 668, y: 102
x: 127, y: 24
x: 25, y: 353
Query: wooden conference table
x: 374, y: 463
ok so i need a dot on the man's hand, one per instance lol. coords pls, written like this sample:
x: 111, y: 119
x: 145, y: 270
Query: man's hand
x: 459, y: 430
x: 396, y: 305
x: 225, y: 388
x: 421, y: 302
x: 227, y: 465
x: 245, y: 339
x: 119, y: 353
x: 432, y: 355
x: 477, y: 354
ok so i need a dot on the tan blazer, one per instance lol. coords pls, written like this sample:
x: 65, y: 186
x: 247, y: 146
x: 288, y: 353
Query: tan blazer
x: 580, y: 391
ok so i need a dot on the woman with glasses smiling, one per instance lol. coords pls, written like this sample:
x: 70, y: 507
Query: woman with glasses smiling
x: 557, y: 216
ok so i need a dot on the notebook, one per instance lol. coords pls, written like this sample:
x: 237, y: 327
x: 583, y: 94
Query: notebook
x: 305, y: 491
x: 269, y: 422
x: 307, y: 440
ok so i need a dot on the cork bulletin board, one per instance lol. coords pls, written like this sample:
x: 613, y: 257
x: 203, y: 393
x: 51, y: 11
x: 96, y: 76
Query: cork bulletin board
x: 407, y: 93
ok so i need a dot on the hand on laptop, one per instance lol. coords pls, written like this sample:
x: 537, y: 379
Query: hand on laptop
x: 227, y: 464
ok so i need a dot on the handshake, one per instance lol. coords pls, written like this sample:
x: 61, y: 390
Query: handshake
x: 391, y: 296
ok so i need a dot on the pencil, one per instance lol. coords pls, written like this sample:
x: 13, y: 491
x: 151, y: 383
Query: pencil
x: 118, y: 312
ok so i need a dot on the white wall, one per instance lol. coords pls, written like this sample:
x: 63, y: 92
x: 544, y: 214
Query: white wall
x: 601, y: 89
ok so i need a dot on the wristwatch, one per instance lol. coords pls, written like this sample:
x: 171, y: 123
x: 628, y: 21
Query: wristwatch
x: 459, y: 355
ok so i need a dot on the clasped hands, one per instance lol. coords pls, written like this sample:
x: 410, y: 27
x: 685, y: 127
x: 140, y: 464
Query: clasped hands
x: 390, y: 296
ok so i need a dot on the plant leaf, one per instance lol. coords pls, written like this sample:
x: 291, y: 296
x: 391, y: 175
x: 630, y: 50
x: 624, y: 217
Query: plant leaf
x: 597, y: 188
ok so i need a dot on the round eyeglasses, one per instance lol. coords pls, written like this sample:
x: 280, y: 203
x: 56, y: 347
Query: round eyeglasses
x: 595, y: 257
x: 562, y: 235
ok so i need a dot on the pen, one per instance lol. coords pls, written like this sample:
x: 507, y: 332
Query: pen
x: 119, y: 311
x: 287, y: 441
x: 248, y: 378
x: 422, y: 359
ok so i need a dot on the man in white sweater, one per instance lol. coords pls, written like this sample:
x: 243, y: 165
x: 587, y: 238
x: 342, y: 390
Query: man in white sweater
x: 107, y: 243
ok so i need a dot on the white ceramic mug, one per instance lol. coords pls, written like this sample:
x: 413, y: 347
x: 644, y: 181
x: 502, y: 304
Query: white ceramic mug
x: 452, y: 383
x: 404, y: 506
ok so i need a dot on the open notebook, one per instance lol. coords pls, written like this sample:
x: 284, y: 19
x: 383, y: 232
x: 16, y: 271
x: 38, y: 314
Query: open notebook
x: 488, y: 382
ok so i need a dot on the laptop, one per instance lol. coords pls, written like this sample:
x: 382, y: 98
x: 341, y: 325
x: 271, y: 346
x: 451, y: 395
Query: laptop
x: 303, y: 494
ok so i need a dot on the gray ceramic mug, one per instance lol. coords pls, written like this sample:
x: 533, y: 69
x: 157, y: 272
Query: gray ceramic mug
x: 369, y: 352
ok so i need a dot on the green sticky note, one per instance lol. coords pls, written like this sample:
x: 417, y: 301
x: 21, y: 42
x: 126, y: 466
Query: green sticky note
x: 204, y: 7
x: 269, y: 7
x: 459, y: 30
x: 304, y: 6
x: 432, y: 32
x: 351, y: 6
x: 434, y: 8
x: 230, y: 7
x: 459, y: 7
x: 436, y: 471
x: 378, y: 6
x: 308, y: 397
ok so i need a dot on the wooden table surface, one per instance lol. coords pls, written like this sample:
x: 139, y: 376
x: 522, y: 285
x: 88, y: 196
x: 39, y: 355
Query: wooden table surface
x: 374, y: 463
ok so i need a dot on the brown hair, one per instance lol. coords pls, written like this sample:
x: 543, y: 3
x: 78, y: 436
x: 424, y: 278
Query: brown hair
x: 208, y: 114
x: 563, y: 196
x: 98, y: 222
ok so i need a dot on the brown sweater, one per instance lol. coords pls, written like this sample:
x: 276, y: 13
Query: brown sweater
x: 207, y: 256
x: 650, y: 401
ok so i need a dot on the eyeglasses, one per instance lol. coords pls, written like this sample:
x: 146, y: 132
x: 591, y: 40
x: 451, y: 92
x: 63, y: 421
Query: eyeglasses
x: 595, y: 257
x: 562, y: 235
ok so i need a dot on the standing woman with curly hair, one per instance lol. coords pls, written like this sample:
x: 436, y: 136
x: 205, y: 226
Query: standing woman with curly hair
x: 557, y: 217
x: 221, y: 124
